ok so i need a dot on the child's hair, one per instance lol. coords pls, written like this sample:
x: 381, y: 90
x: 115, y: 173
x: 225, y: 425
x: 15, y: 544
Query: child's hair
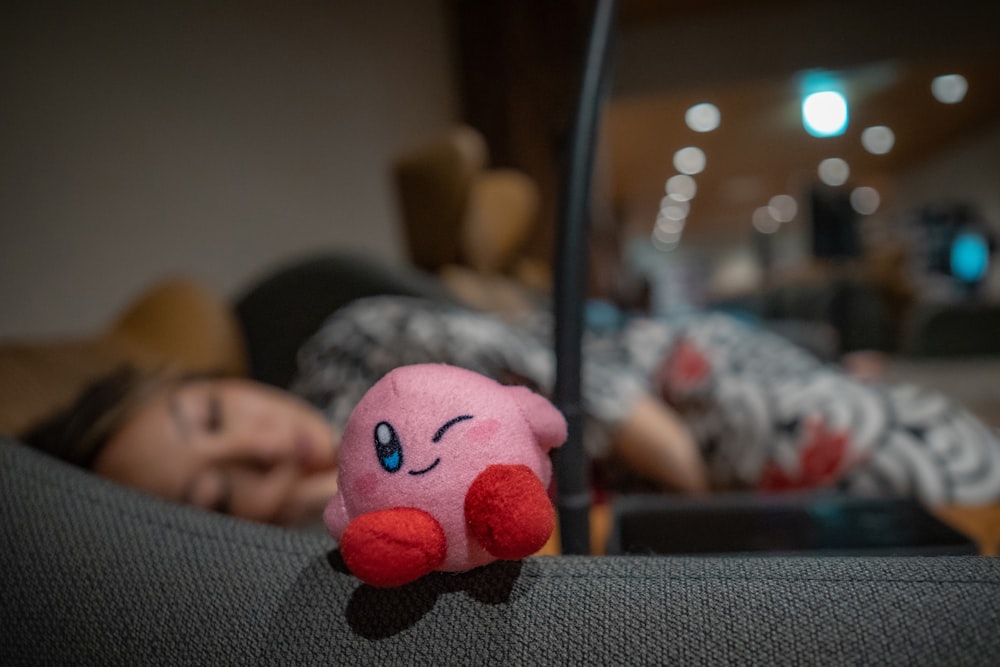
x: 78, y: 433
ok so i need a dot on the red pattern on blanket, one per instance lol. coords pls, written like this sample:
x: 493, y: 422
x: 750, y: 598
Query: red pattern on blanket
x: 821, y: 460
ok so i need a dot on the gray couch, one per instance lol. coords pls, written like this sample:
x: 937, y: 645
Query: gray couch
x: 94, y: 573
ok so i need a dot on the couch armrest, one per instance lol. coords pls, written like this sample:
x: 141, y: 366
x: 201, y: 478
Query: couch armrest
x: 97, y: 574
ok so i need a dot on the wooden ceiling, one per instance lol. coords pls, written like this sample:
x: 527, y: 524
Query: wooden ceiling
x: 748, y: 59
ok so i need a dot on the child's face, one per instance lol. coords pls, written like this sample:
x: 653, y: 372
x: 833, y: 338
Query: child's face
x: 229, y: 445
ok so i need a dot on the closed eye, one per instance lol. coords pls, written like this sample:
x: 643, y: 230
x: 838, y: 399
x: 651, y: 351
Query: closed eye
x: 447, y: 425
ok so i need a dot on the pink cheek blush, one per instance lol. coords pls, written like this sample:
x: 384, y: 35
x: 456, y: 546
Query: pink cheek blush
x: 365, y: 485
x: 483, y: 432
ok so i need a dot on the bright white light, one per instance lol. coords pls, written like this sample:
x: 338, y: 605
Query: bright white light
x: 764, y: 222
x: 865, y: 200
x: 782, y: 208
x: 672, y: 209
x: 824, y: 114
x: 950, y: 88
x: 878, y: 139
x: 703, y: 117
x: 681, y: 187
x: 833, y: 171
x: 690, y: 160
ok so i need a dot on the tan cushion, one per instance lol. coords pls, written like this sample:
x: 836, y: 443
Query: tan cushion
x: 433, y: 184
x: 181, y: 322
x: 177, y: 324
x: 501, y: 215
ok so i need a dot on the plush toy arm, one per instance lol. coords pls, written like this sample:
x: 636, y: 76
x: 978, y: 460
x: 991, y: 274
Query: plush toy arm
x: 547, y: 423
x: 393, y: 547
x: 335, y: 516
x: 509, y: 512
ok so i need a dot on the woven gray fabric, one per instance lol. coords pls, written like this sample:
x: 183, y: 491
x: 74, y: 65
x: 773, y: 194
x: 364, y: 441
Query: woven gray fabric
x: 96, y: 574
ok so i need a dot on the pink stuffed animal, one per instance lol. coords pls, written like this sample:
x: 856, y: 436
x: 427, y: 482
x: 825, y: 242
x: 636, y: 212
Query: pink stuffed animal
x: 443, y: 469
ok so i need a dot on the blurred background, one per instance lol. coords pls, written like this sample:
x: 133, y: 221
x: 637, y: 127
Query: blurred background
x: 211, y: 140
x: 216, y: 140
x: 810, y: 141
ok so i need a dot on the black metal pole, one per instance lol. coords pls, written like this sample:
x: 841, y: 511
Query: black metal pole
x: 571, y: 285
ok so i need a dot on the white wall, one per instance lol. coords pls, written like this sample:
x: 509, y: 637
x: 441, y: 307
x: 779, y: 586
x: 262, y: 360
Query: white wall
x: 146, y: 139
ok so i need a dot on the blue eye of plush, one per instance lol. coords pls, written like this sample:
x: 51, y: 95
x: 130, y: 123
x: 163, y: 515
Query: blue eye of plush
x: 388, y: 448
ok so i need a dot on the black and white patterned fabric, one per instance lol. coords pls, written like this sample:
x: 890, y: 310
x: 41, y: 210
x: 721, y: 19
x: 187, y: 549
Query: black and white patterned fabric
x: 366, y: 339
x: 766, y: 414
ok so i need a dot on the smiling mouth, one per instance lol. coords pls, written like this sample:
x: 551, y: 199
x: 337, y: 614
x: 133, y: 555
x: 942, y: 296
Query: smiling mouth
x: 427, y: 469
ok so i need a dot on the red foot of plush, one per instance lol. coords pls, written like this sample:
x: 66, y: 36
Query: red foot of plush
x: 393, y: 547
x: 509, y: 512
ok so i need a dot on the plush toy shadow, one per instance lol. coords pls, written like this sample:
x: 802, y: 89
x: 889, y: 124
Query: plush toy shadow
x: 380, y: 613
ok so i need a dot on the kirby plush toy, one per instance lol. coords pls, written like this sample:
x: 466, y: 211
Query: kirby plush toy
x: 443, y: 469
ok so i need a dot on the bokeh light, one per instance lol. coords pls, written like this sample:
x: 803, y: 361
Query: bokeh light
x: 690, y: 160
x: 865, y: 200
x: 834, y: 171
x: 764, y: 222
x: 670, y: 225
x: 949, y: 88
x: 681, y: 187
x: 970, y: 257
x: 664, y: 240
x: 703, y: 117
x: 878, y: 139
x: 783, y: 208
x: 824, y: 113
x: 673, y: 209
